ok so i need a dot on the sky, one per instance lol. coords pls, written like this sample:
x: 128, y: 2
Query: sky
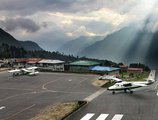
x: 51, y: 23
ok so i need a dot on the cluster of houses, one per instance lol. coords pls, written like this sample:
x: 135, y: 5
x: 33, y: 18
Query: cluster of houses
x: 6, y: 63
x: 80, y: 66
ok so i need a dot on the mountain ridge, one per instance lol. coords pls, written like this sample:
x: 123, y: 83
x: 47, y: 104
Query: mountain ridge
x: 7, y: 38
x: 129, y: 45
x: 76, y: 45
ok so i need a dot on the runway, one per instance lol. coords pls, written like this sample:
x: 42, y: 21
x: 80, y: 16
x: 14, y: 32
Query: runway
x: 22, y: 97
x: 141, y: 105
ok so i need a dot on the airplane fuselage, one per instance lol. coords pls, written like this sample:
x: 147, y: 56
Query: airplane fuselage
x: 126, y: 86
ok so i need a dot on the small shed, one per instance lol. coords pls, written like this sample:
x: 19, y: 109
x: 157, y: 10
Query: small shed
x: 51, y: 65
x: 123, y: 68
x: 136, y: 69
x: 82, y: 65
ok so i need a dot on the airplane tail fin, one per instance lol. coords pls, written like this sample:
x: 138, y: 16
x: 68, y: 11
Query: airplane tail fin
x: 151, y: 77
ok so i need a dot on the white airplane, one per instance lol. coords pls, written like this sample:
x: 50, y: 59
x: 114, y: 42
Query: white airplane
x: 128, y: 86
x: 24, y: 71
x: 109, y: 77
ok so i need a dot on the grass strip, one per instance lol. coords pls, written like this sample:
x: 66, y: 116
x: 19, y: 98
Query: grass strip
x: 57, y: 112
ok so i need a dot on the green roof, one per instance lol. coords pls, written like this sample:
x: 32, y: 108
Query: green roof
x: 85, y: 63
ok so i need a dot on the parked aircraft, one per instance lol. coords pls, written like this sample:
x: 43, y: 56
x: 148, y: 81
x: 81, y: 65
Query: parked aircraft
x: 109, y: 77
x: 128, y: 86
x: 24, y: 71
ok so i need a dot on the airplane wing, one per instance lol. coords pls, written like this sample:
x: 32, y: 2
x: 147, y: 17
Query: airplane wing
x: 13, y: 71
x: 108, y: 77
x: 31, y: 68
x: 25, y: 70
x: 140, y: 84
x: 117, y: 79
x: 33, y: 73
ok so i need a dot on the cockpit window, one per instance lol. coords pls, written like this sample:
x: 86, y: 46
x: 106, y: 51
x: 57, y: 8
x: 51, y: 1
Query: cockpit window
x: 128, y: 84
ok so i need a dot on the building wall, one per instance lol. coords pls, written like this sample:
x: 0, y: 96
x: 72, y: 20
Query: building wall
x: 19, y: 64
x: 114, y: 72
x: 135, y: 71
x: 1, y: 64
x: 123, y: 69
x: 78, y: 68
x: 51, y: 67
x: 31, y: 64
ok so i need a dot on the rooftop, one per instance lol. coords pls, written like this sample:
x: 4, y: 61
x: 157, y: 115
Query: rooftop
x: 28, y: 60
x: 85, y: 63
x: 48, y: 61
x: 135, y: 69
x: 102, y: 68
x: 123, y: 66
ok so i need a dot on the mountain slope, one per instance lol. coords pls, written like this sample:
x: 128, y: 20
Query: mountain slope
x: 78, y: 44
x: 10, y: 40
x: 30, y: 45
x: 129, y: 44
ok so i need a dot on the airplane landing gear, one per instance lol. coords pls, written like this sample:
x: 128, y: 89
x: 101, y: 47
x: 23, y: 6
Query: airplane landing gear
x: 113, y: 92
x: 125, y: 90
x: 131, y: 92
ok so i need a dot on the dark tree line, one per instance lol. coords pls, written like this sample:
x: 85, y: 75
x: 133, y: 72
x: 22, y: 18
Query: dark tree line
x: 7, y: 51
x: 51, y: 55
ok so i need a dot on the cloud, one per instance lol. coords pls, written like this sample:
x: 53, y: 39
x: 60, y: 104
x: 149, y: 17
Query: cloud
x: 99, y: 27
x: 81, y: 31
x: 12, y: 24
x: 98, y: 15
x: 73, y: 18
x: 83, y: 24
x: 28, y: 7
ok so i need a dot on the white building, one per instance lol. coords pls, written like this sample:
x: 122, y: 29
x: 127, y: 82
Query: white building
x: 51, y: 65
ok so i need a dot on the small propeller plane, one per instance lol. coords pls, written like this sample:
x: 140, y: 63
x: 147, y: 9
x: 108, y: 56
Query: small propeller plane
x: 24, y: 71
x: 128, y: 86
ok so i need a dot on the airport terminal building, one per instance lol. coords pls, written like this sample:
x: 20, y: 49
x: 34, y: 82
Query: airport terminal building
x: 82, y: 65
x: 51, y: 65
